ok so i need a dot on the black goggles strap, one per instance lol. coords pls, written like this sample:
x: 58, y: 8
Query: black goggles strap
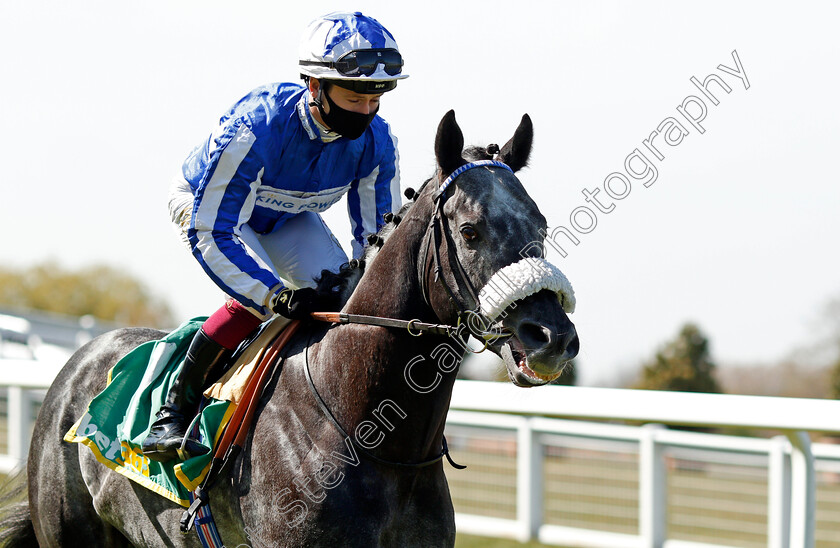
x: 366, y: 86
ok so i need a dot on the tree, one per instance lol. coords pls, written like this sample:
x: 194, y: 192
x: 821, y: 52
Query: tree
x: 683, y: 365
x: 99, y: 290
x: 835, y: 381
x: 832, y: 321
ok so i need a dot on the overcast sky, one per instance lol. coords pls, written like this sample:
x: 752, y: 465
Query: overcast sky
x: 101, y: 102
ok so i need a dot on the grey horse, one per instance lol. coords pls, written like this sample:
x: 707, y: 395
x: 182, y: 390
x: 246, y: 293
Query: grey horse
x: 362, y: 478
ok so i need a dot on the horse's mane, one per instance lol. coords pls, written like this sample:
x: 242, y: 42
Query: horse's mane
x: 347, y: 278
x: 475, y: 154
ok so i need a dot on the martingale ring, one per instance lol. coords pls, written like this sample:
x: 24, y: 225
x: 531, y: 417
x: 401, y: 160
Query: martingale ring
x: 409, y: 326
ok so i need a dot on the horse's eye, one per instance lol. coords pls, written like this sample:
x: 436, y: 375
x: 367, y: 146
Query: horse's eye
x: 469, y: 233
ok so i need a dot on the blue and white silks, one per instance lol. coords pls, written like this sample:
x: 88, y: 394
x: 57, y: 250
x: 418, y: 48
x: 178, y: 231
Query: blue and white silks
x: 265, y: 163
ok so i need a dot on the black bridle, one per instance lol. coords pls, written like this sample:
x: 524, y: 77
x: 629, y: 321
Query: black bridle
x: 437, y: 230
x: 433, y: 238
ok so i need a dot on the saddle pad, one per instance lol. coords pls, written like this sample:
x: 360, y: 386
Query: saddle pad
x: 232, y: 384
x: 119, y: 418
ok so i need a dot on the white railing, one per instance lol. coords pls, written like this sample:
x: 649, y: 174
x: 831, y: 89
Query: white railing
x: 791, y: 480
x: 24, y: 383
x: 531, y: 418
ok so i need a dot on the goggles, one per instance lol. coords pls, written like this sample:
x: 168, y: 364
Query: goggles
x: 363, y: 62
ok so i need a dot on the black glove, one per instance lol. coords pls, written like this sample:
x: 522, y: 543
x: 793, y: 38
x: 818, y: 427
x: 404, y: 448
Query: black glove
x: 296, y: 304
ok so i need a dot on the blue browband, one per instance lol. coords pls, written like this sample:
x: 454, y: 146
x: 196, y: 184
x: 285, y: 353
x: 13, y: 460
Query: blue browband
x: 471, y: 165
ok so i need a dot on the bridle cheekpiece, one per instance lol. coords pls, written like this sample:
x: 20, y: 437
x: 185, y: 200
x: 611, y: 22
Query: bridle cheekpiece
x: 438, y: 232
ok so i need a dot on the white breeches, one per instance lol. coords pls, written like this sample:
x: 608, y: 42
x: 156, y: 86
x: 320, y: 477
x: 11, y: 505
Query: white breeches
x: 299, y: 249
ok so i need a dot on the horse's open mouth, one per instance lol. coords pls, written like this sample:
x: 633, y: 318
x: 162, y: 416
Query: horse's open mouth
x: 516, y: 360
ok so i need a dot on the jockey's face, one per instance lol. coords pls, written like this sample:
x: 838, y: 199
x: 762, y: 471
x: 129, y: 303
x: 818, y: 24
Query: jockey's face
x: 363, y: 103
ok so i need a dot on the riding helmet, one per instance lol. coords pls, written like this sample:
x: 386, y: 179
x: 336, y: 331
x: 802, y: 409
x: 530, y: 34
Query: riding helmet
x: 353, y: 50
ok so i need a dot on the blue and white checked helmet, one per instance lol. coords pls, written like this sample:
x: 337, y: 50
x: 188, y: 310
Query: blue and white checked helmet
x: 354, y: 49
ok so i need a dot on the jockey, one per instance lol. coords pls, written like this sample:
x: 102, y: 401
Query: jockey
x: 248, y: 199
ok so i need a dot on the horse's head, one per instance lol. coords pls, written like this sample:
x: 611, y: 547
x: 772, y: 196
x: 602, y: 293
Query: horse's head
x: 489, y: 237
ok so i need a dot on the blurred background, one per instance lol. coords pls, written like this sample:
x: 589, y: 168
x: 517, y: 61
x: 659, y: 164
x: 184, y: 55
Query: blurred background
x: 721, y: 276
x: 101, y: 102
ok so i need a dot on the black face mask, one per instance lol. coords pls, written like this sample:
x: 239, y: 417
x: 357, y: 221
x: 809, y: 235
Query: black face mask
x: 342, y: 121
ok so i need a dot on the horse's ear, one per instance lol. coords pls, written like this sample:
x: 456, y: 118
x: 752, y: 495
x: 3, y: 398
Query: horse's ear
x: 449, y: 143
x: 515, y: 153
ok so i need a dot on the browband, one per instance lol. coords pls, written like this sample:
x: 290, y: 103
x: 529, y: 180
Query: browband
x: 471, y: 165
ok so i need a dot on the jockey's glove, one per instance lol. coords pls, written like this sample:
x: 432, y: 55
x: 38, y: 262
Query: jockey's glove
x: 296, y: 304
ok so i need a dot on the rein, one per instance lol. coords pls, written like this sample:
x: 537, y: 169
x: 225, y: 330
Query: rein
x: 414, y: 327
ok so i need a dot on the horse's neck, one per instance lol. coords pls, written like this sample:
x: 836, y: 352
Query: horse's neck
x: 390, y: 286
x: 385, y: 375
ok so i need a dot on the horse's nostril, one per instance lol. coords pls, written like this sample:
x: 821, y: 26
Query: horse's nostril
x: 538, y: 338
x: 535, y: 336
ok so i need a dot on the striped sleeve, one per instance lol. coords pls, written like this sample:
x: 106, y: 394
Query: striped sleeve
x: 224, y: 202
x: 373, y: 196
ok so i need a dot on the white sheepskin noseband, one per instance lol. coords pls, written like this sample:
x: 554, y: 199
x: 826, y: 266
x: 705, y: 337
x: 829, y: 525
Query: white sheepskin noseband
x: 521, y: 279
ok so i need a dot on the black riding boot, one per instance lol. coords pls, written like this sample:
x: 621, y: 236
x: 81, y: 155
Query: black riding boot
x: 167, y: 433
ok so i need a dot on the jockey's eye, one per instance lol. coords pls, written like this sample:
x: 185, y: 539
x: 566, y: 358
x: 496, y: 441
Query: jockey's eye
x: 469, y: 233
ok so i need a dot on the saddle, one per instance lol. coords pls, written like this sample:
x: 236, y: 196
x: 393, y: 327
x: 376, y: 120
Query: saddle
x: 118, y: 418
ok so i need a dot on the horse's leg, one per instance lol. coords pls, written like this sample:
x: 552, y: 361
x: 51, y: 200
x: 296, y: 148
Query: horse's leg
x: 427, y: 518
x: 144, y: 518
x: 61, y: 506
